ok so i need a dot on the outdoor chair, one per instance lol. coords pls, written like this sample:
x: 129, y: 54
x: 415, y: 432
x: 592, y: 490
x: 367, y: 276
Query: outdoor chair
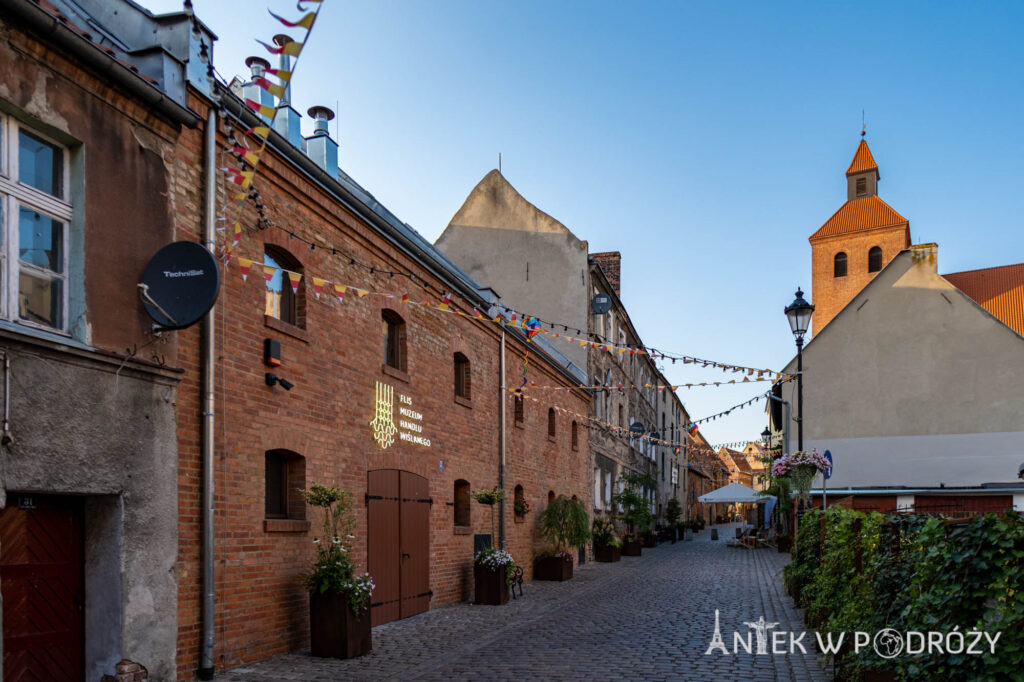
x: 742, y: 540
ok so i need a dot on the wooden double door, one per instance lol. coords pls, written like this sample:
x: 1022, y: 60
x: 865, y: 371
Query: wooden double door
x: 42, y: 580
x: 398, y: 519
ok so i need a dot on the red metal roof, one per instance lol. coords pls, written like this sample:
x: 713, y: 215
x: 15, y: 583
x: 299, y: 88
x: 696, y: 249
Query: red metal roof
x: 859, y: 214
x: 998, y: 290
x: 862, y: 160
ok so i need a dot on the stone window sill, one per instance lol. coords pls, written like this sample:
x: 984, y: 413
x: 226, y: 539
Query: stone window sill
x: 285, y: 525
x: 465, y: 402
x: 520, y: 519
x: 518, y: 423
x: 396, y: 373
x: 551, y: 439
x: 286, y: 328
x: 461, y: 530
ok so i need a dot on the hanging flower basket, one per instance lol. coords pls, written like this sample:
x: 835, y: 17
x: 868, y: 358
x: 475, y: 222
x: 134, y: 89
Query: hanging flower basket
x: 800, y: 469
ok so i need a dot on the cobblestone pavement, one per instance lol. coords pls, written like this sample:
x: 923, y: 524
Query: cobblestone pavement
x: 650, y: 617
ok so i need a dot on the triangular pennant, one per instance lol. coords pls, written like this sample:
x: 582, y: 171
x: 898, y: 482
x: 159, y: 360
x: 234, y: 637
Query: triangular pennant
x: 291, y: 49
x: 295, y: 278
x: 340, y: 291
x: 244, y: 264
x: 305, y: 22
x: 262, y: 131
x: 361, y: 292
x: 250, y: 157
x: 318, y: 287
x: 268, y: 273
x: 273, y: 88
x: 261, y: 109
x: 445, y: 301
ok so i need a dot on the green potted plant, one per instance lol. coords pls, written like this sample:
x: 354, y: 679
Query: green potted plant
x: 673, y: 510
x: 607, y: 546
x: 339, y: 600
x: 490, y: 497
x: 492, y: 576
x: 565, y: 525
x: 636, y: 511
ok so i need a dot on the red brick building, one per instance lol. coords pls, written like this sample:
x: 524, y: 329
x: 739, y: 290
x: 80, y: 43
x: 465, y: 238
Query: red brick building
x: 436, y: 375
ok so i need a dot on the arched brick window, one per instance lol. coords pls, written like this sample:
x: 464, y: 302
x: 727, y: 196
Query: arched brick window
x: 463, y: 382
x: 839, y: 270
x: 519, y: 409
x: 461, y: 503
x: 575, y: 436
x: 551, y: 496
x: 875, y: 259
x: 518, y: 502
x: 551, y: 422
x: 393, y: 337
x: 285, y: 301
x: 285, y: 476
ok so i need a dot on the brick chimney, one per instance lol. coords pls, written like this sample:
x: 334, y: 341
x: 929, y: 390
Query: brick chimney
x: 609, y: 262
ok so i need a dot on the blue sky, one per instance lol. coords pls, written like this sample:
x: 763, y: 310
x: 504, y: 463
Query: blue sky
x: 705, y: 141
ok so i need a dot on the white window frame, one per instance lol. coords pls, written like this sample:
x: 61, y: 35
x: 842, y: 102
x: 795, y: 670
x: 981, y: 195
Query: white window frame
x: 14, y: 193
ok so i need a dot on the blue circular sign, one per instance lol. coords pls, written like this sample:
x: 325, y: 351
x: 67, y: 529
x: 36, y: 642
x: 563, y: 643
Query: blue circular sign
x: 828, y: 472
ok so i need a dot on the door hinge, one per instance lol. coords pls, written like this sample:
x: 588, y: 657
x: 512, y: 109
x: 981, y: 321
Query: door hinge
x: 428, y: 593
x: 428, y: 500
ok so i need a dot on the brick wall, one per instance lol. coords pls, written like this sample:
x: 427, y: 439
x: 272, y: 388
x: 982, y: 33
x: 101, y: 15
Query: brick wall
x: 830, y: 294
x: 334, y: 362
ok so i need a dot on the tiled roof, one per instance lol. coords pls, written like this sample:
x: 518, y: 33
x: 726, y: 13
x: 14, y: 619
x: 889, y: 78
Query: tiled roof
x: 998, y: 290
x: 862, y: 160
x: 857, y: 215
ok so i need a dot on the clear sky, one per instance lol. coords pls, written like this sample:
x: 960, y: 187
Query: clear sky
x: 704, y: 140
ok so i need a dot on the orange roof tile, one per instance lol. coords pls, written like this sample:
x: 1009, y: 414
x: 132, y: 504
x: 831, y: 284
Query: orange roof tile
x: 862, y: 160
x: 998, y: 290
x: 859, y: 214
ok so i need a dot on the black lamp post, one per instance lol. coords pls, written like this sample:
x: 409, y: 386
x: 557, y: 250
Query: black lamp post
x: 799, y: 315
x: 766, y: 438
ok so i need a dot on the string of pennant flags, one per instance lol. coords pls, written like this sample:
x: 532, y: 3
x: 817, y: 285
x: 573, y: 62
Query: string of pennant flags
x: 247, y: 158
x: 323, y: 288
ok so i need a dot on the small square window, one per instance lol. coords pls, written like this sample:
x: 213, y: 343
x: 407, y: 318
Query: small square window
x: 40, y: 164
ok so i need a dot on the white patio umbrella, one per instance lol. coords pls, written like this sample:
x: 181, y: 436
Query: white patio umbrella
x: 734, y: 493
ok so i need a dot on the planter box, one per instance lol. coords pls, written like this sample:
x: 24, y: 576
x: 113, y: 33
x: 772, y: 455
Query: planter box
x: 334, y: 631
x: 633, y: 548
x: 552, y: 568
x: 608, y: 554
x: 490, y: 588
x: 650, y: 541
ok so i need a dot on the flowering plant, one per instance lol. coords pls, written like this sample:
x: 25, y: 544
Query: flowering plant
x: 333, y: 570
x: 800, y: 468
x: 604, y: 534
x: 495, y: 560
x: 522, y: 507
x: 492, y: 496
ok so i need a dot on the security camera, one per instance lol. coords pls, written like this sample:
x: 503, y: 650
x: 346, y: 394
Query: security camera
x: 273, y: 379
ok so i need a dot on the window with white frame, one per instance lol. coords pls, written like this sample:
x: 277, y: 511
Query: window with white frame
x: 35, y: 212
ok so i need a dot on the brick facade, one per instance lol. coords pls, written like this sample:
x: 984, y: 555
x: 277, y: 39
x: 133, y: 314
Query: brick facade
x: 829, y: 293
x: 334, y: 360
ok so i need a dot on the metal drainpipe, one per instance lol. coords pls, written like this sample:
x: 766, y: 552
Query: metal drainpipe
x: 206, y: 667
x: 501, y: 447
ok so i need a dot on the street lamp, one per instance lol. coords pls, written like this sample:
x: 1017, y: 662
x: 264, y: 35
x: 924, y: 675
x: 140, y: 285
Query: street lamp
x: 766, y: 438
x: 799, y: 315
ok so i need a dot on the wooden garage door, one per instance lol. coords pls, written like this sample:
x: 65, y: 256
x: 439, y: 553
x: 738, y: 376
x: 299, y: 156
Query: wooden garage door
x: 41, y: 576
x: 398, y: 543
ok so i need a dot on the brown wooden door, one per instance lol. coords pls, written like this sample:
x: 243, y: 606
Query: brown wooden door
x: 41, y: 577
x: 415, y: 542
x: 398, y: 539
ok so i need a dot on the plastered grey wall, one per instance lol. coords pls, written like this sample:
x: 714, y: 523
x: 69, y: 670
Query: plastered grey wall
x: 87, y: 425
x: 914, y: 383
x: 533, y: 261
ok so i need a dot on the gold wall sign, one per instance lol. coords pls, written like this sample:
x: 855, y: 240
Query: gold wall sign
x: 410, y: 424
x: 383, y: 422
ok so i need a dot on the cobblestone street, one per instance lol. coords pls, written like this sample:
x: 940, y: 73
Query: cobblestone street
x: 642, y: 618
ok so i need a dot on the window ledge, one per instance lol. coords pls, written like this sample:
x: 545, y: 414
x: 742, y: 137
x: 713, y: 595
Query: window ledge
x: 285, y: 526
x: 551, y: 439
x: 465, y: 402
x: 286, y: 328
x: 396, y: 373
x: 520, y: 519
x: 462, y: 530
x: 518, y: 423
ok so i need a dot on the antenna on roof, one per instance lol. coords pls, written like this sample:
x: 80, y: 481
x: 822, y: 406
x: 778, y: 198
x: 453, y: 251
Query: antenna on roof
x: 499, y: 162
x: 863, y: 125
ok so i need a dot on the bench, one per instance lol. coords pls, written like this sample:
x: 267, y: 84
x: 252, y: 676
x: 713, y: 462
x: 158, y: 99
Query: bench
x: 517, y: 579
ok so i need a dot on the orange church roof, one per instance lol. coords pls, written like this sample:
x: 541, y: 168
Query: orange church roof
x: 859, y: 214
x: 998, y: 290
x: 862, y: 160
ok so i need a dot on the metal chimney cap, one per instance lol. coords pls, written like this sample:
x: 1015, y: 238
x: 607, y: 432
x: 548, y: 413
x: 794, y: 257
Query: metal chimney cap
x: 320, y: 113
x: 282, y: 39
x: 258, y: 61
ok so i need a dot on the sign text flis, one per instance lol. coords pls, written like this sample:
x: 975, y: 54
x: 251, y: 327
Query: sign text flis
x: 409, y: 428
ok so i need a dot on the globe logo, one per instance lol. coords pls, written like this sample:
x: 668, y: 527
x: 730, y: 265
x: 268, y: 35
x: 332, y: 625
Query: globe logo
x: 888, y: 643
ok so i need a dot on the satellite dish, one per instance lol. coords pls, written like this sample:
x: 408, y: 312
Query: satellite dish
x: 180, y: 285
x: 601, y: 304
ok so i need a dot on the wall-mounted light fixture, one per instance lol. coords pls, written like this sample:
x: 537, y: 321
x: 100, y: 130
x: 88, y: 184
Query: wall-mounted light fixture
x: 273, y: 379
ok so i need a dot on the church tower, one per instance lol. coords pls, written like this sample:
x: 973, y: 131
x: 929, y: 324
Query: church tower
x: 855, y: 243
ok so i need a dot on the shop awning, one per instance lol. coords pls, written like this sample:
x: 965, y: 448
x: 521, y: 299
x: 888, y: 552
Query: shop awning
x: 734, y: 492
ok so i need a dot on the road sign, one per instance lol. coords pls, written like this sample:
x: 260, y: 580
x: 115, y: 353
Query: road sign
x: 828, y: 472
